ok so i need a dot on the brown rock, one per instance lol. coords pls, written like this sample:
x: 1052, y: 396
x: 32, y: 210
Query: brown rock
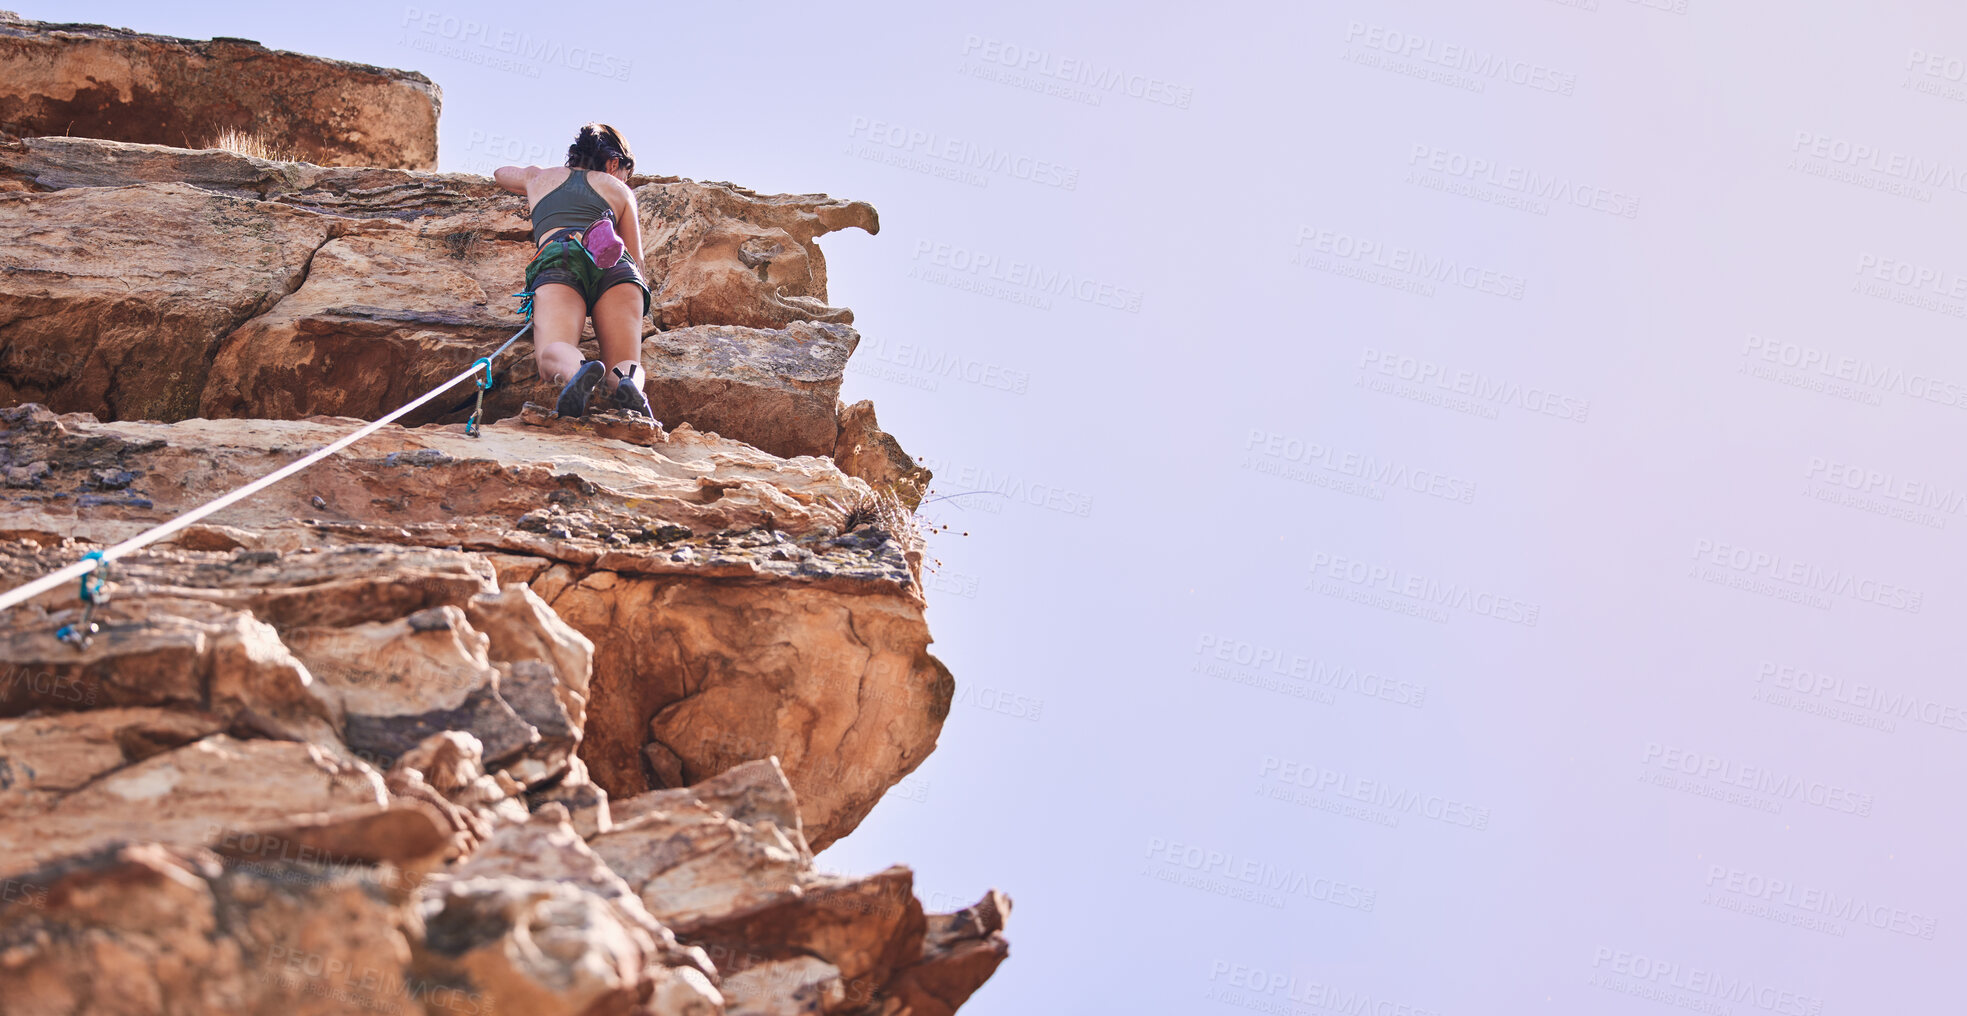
x: 382, y: 318
x: 848, y: 696
x: 462, y: 208
x: 868, y: 928
x: 959, y: 953
x: 100, y: 82
x: 864, y: 450
x: 774, y: 389
x: 546, y: 720
x: 800, y: 986
x: 97, y: 314
x: 699, y: 855
x: 728, y: 256
x: 189, y: 795
x: 140, y: 930
x: 716, y: 640
x: 586, y: 803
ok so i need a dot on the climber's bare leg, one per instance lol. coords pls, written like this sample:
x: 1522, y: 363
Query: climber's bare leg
x: 558, y: 313
x: 618, y: 324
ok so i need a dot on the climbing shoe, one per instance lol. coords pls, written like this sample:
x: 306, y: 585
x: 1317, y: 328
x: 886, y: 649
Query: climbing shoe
x: 573, y: 398
x: 628, y: 398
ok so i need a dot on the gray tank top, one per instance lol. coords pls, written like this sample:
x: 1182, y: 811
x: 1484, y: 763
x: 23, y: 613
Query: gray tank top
x: 572, y: 205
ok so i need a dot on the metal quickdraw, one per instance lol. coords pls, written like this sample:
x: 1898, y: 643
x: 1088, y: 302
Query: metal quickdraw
x: 93, y: 594
x: 484, y: 385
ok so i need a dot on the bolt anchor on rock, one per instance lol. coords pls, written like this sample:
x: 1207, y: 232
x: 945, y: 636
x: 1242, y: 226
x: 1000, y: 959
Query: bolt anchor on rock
x: 94, y: 593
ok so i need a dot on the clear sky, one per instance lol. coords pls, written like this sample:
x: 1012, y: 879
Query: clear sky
x: 1478, y: 527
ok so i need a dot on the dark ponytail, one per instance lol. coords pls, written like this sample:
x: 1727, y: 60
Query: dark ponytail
x: 595, y: 145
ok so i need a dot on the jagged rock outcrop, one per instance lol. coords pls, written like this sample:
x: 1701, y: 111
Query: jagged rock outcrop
x: 729, y: 617
x: 736, y: 258
x: 254, y: 714
x: 861, y: 448
x: 550, y: 719
x: 289, y: 290
x: 94, y: 81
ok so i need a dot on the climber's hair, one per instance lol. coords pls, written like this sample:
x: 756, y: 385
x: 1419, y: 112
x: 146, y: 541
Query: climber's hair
x: 595, y: 145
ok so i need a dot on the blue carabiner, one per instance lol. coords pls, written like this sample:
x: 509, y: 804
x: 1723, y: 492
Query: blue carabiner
x: 92, y: 579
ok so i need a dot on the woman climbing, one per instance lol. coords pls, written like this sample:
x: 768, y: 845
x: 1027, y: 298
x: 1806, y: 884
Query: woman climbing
x: 590, y: 242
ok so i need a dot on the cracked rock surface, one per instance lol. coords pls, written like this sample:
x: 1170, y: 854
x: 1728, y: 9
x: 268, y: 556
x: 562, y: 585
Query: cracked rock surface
x: 549, y: 719
x: 100, y: 82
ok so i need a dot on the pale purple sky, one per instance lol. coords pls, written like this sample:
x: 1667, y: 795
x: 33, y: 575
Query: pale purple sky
x: 1319, y: 349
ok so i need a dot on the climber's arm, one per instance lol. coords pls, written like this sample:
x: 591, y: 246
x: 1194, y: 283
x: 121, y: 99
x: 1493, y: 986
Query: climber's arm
x: 513, y: 178
x: 631, y: 233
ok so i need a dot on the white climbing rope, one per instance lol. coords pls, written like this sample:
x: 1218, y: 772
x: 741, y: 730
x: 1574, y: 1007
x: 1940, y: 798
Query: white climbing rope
x: 15, y: 597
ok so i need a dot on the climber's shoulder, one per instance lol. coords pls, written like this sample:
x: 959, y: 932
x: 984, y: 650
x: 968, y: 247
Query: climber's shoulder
x: 618, y: 194
x: 608, y: 185
x: 528, y: 180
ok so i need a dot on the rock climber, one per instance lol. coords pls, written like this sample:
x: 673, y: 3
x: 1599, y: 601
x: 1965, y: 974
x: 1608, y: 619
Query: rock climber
x: 589, y: 241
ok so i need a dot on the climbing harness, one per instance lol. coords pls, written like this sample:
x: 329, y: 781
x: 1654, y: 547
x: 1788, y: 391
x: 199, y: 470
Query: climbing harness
x: 93, y: 594
x: 95, y: 563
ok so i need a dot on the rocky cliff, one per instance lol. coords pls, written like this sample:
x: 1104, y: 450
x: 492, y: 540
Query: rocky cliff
x: 546, y: 719
x: 94, y: 81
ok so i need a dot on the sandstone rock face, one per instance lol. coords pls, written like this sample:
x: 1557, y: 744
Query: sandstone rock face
x: 729, y: 619
x: 550, y: 719
x: 289, y: 290
x: 99, y: 82
x: 772, y: 388
x: 94, y: 311
x: 863, y: 449
x: 731, y: 257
